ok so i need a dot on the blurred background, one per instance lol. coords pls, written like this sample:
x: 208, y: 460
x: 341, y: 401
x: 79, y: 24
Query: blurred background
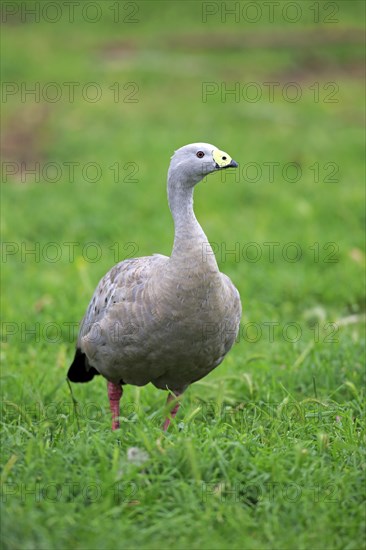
x: 96, y: 96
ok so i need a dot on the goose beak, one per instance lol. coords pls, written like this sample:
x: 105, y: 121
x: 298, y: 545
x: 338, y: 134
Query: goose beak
x: 223, y: 160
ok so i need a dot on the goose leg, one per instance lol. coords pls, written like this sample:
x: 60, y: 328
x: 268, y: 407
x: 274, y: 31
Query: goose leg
x: 173, y: 412
x: 114, y: 395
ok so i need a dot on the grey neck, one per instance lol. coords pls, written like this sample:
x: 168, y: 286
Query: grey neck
x: 180, y: 201
x: 190, y: 242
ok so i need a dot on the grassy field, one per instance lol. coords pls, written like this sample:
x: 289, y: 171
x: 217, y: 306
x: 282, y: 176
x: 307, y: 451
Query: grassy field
x: 267, y: 452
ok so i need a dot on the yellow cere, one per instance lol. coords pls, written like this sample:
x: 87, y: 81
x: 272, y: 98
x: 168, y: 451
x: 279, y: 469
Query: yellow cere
x: 221, y: 158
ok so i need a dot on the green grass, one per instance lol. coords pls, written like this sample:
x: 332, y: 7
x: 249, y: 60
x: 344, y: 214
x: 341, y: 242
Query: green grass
x: 268, y: 450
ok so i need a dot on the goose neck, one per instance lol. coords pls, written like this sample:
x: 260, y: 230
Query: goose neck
x: 191, y: 247
x: 180, y: 200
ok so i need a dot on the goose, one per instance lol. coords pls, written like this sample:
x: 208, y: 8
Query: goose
x: 159, y: 319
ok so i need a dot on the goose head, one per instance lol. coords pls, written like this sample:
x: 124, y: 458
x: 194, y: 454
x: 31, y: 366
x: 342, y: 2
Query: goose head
x: 191, y: 163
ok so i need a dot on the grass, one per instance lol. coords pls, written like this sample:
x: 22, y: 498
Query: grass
x: 268, y: 450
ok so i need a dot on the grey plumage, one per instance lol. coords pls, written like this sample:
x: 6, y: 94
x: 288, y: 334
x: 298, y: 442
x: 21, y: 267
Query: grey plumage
x: 165, y: 320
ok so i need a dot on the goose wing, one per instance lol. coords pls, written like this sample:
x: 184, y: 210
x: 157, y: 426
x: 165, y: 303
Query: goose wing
x: 118, y: 313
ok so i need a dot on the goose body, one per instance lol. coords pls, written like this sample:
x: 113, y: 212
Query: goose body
x: 164, y: 320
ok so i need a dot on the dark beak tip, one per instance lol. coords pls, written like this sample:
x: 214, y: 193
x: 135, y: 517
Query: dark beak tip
x: 233, y: 164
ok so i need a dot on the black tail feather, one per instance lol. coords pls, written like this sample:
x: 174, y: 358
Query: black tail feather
x: 80, y: 369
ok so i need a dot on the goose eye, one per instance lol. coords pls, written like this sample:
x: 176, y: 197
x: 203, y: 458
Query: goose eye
x: 200, y: 154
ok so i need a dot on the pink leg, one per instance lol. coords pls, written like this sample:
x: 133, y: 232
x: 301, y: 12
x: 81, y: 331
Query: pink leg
x: 173, y: 412
x: 114, y: 395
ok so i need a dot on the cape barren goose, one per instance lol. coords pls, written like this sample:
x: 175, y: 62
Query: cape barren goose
x: 168, y: 321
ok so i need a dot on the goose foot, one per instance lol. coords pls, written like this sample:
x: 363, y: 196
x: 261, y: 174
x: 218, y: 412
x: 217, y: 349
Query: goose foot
x: 114, y: 395
x: 173, y: 412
